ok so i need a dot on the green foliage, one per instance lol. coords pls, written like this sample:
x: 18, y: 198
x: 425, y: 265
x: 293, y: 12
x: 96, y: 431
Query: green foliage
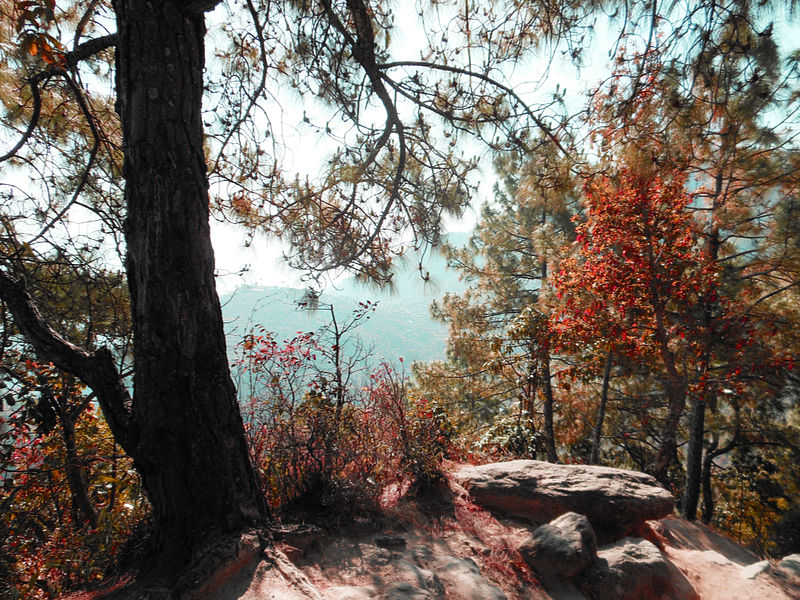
x: 757, y: 501
x: 784, y: 537
x: 427, y: 437
x: 512, y: 435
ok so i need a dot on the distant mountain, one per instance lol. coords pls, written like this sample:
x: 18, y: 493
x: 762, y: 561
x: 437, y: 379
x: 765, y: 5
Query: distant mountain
x: 401, y: 325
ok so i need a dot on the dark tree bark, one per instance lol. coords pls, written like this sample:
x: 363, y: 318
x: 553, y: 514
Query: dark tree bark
x: 675, y: 386
x: 76, y: 479
x: 668, y: 447
x: 189, y: 447
x: 183, y: 428
x: 594, y: 455
x: 694, y: 459
x: 547, y: 390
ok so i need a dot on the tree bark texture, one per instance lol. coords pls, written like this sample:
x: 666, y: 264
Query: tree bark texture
x: 708, y: 492
x: 696, y: 471
x: 189, y: 446
x: 694, y: 459
x: 668, y: 447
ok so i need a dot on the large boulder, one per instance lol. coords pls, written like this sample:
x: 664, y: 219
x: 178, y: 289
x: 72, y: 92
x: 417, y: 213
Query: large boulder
x: 562, y: 548
x: 634, y: 569
x: 615, y: 501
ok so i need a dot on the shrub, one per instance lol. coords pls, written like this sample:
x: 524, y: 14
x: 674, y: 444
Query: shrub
x: 46, y: 548
x: 512, y: 435
x: 318, y: 446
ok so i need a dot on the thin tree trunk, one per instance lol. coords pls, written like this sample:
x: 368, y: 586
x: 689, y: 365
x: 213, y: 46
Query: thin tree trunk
x: 594, y: 455
x: 549, y: 429
x: 694, y: 459
x: 676, y: 392
x: 668, y: 448
x: 190, y: 447
x: 76, y: 480
x: 697, y: 470
x: 705, y: 477
x: 713, y: 452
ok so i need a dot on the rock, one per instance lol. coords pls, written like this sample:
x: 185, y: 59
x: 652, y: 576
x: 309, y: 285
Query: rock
x: 754, y: 570
x: 716, y: 558
x: 788, y: 569
x: 614, y: 500
x: 562, y: 548
x: 563, y: 590
x: 422, y: 554
x: 402, y: 590
x: 463, y: 581
x: 634, y: 569
x: 418, y: 577
x: 351, y: 592
x: 374, y: 556
x: 303, y: 537
x: 292, y: 553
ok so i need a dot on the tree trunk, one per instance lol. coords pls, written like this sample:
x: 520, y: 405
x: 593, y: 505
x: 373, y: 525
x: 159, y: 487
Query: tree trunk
x: 549, y: 429
x: 594, y: 456
x: 76, y: 480
x: 694, y: 459
x: 696, y: 470
x: 705, y: 476
x: 189, y: 444
x: 675, y: 388
x: 668, y: 448
x: 713, y: 452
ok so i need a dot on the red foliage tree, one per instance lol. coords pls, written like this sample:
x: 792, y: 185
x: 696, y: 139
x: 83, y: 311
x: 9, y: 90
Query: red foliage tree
x: 634, y: 284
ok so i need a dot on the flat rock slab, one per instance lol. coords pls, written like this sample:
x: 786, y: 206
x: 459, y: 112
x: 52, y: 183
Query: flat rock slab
x: 615, y: 501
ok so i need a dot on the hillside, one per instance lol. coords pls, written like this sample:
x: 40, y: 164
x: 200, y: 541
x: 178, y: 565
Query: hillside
x: 401, y: 325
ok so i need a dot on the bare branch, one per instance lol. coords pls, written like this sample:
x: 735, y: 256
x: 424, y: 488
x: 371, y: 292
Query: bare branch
x: 491, y: 81
x: 87, y: 113
x: 96, y: 369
